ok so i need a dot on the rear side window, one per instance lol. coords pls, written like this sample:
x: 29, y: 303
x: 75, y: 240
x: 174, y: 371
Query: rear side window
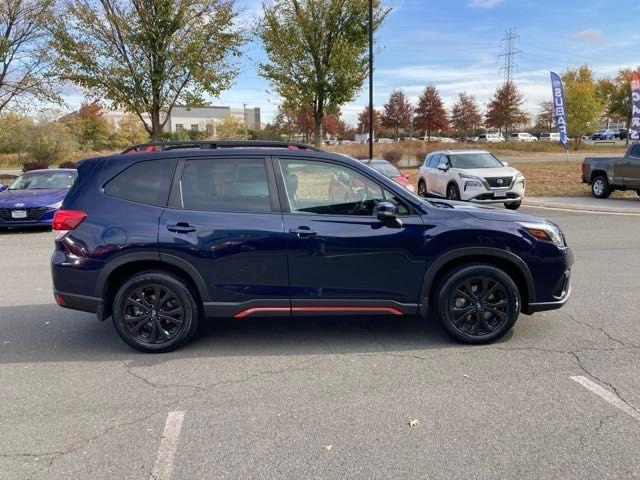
x: 219, y: 184
x: 635, y: 151
x: 434, y: 160
x: 146, y: 182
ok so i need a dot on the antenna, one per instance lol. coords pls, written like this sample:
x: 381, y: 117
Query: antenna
x: 508, y: 44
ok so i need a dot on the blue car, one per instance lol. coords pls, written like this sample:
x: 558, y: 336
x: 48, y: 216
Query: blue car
x: 159, y: 241
x: 33, y: 198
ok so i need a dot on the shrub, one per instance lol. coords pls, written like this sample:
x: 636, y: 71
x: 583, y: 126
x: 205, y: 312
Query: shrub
x: 26, y: 166
x: 392, y: 155
x: 50, y: 142
x: 67, y: 164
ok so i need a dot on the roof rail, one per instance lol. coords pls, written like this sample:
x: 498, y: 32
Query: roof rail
x: 214, y: 145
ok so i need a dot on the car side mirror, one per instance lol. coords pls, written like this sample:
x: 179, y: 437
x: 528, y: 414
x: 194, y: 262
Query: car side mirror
x: 443, y: 166
x: 387, y: 213
x: 3, y: 187
x: 506, y: 164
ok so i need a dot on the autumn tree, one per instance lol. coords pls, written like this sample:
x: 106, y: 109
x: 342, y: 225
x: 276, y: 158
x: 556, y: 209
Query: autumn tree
x: 130, y: 131
x: 230, y: 129
x: 89, y: 127
x: 24, y: 53
x: 317, y: 52
x: 582, y: 103
x: 147, y: 55
x: 465, y: 114
x: 546, y: 115
x: 430, y: 115
x: 504, y: 111
x: 363, y: 121
x: 396, y: 113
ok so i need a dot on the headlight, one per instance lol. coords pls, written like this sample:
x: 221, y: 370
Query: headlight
x: 520, y: 178
x: 55, y: 205
x: 411, y: 188
x: 471, y: 180
x: 472, y: 183
x: 544, y: 232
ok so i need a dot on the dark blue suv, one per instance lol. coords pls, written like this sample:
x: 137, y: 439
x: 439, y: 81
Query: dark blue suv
x: 165, y: 235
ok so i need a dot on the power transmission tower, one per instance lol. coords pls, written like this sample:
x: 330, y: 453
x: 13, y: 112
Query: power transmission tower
x: 507, y: 58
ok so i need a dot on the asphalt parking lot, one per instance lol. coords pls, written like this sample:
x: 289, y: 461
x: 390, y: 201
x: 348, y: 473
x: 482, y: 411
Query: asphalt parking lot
x: 329, y: 398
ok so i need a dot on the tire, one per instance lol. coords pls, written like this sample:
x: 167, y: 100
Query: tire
x: 422, y: 188
x: 452, y: 192
x: 600, y: 187
x: 137, y: 299
x: 513, y: 205
x: 496, y: 307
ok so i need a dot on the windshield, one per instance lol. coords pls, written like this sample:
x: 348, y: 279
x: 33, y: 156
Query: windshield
x: 42, y: 180
x: 386, y: 169
x: 474, y: 160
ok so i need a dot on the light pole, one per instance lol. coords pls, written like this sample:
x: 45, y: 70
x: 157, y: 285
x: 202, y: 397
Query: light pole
x: 371, y: 79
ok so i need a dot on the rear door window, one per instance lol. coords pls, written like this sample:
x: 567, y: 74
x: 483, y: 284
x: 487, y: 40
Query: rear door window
x: 145, y: 182
x: 635, y: 151
x: 225, y: 184
x: 434, y: 160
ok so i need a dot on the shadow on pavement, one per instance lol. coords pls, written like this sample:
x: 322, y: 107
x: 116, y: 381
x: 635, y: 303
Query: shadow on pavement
x: 47, y: 333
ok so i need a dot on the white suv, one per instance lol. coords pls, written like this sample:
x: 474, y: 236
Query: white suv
x: 471, y: 175
x: 490, y: 138
x: 521, y: 137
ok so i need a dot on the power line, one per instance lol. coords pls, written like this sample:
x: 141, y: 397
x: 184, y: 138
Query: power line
x: 508, y: 44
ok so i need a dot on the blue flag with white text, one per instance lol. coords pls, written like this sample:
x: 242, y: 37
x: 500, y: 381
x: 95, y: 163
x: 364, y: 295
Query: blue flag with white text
x: 559, y: 110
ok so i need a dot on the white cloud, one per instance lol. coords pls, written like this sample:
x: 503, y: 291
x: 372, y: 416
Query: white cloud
x: 484, y: 3
x: 592, y: 36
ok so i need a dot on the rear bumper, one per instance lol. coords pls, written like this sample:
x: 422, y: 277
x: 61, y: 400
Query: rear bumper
x: 82, y: 303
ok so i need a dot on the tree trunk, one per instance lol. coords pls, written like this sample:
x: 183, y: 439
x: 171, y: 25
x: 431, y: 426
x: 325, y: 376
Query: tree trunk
x: 318, y: 117
x: 156, y: 130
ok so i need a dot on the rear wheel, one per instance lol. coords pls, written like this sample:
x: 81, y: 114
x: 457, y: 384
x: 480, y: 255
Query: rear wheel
x: 422, y: 188
x: 513, y: 205
x: 477, y: 304
x: 155, y: 312
x: 600, y: 187
x: 452, y: 192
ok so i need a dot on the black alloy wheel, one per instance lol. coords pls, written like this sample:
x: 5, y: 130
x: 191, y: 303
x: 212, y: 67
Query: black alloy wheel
x: 155, y: 312
x: 422, y: 189
x: 452, y: 192
x: 478, y: 304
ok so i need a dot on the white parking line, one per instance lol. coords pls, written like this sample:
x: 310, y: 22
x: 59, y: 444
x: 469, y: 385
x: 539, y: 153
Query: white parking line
x: 606, y: 395
x: 168, y: 445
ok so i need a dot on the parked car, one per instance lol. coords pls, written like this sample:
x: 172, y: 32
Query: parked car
x: 33, y: 197
x: 390, y: 171
x: 606, y: 134
x: 521, y: 137
x: 607, y: 174
x: 471, y: 175
x: 550, y: 137
x: 622, y: 133
x: 159, y: 241
x: 490, y: 138
x: 383, y: 140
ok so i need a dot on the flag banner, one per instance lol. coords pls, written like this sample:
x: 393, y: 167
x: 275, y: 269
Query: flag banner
x: 634, y: 131
x: 558, y: 109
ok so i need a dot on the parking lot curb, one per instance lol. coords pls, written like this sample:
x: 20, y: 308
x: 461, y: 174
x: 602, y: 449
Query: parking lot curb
x: 541, y: 203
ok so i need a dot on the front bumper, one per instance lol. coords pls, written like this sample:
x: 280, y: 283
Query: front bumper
x: 560, y: 293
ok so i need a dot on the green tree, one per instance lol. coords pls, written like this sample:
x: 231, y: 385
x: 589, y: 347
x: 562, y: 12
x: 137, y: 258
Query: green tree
x: 24, y: 56
x: 147, y: 55
x: 616, y: 94
x: 317, y: 52
x: 15, y: 132
x: 230, y: 129
x: 582, y: 103
x: 504, y: 111
x: 89, y: 127
x: 130, y: 131
x: 51, y: 142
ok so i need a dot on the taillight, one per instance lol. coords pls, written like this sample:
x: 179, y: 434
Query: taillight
x: 582, y: 167
x: 66, y: 220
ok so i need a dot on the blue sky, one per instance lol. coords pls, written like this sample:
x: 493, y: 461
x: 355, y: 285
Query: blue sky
x: 453, y: 44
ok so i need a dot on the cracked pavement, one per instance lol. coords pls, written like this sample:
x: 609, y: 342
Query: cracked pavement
x: 263, y: 397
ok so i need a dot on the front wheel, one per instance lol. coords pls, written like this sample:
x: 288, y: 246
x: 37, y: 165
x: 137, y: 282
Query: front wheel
x: 452, y: 192
x: 513, y: 205
x: 600, y: 187
x: 155, y: 312
x: 477, y: 304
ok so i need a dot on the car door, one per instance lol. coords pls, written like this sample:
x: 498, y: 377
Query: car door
x: 224, y: 223
x: 432, y: 172
x: 631, y: 168
x: 442, y: 175
x: 342, y: 259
